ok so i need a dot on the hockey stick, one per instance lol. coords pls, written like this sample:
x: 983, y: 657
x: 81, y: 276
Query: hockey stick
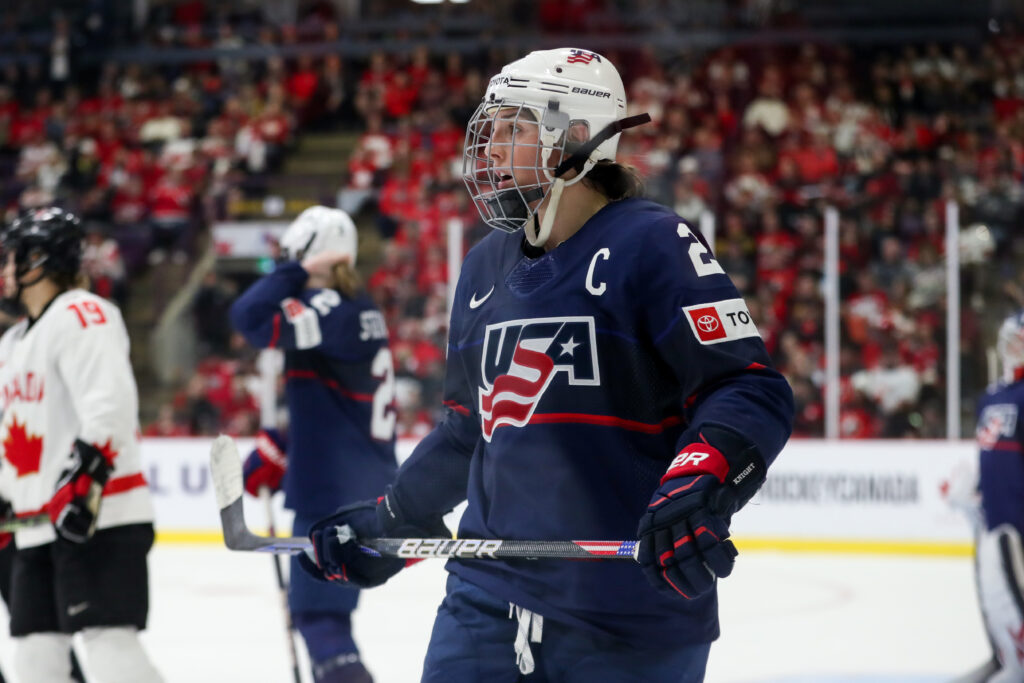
x: 226, y: 470
x: 12, y: 524
x: 282, y: 587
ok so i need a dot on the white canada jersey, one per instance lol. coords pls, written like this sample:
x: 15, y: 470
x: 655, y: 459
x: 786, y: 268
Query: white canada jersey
x: 67, y: 377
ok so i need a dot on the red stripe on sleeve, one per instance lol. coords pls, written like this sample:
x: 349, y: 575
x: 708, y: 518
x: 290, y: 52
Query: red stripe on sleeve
x: 461, y: 410
x: 276, y: 333
x: 122, y: 484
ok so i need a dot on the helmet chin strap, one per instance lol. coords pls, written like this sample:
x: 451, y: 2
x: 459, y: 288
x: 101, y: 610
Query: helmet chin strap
x: 582, y: 160
x: 537, y: 230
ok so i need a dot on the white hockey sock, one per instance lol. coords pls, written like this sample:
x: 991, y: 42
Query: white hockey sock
x: 43, y: 658
x: 115, y: 655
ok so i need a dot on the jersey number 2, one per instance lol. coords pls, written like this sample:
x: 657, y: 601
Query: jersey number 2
x: 88, y: 312
x: 703, y: 262
x: 382, y: 419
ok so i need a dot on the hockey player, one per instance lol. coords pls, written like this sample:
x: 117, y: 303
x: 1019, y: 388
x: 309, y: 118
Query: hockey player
x: 999, y: 558
x: 340, y: 390
x: 604, y: 380
x: 69, y: 435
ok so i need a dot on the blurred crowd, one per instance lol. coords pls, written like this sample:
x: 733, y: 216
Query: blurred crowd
x: 761, y: 139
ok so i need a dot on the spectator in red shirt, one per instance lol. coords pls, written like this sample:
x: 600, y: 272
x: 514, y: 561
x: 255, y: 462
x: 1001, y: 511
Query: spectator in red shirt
x: 302, y: 86
x: 261, y: 142
x: 128, y: 206
x: 170, y: 213
x: 399, y: 95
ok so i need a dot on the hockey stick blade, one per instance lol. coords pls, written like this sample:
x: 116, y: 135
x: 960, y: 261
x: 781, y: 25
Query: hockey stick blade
x: 226, y: 471
x: 12, y: 524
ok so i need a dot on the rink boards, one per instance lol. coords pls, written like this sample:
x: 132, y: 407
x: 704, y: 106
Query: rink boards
x: 851, y: 496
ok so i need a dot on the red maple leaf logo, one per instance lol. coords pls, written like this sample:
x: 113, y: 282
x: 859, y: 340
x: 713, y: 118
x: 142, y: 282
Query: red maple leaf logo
x: 22, y: 450
x: 108, y: 452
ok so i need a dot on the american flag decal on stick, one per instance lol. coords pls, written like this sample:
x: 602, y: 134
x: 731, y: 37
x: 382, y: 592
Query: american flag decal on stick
x: 582, y: 57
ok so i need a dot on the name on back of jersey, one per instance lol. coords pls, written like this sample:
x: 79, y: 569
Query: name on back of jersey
x: 372, y: 326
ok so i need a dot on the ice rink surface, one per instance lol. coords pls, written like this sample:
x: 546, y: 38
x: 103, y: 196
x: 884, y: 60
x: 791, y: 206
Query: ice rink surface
x: 786, y: 617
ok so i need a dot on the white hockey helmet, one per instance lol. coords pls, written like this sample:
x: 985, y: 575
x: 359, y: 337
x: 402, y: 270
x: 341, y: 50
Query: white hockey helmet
x: 1010, y: 346
x: 319, y: 229
x: 563, y: 90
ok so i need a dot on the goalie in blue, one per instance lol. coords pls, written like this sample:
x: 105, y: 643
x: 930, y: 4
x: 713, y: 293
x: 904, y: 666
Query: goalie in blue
x: 999, y: 553
x: 340, y: 390
x: 604, y: 380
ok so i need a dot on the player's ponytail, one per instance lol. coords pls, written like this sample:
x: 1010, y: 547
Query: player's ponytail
x: 614, y: 180
x: 347, y: 280
x: 65, y: 280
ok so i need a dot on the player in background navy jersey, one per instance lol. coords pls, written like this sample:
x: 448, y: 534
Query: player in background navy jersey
x: 999, y: 559
x: 604, y: 380
x: 339, y: 389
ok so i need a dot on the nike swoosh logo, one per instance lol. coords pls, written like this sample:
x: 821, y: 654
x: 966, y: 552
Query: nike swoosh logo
x: 476, y: 303
x: 74, y: 610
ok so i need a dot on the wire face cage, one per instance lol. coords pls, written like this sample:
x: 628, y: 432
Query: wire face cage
x: 506, y: 163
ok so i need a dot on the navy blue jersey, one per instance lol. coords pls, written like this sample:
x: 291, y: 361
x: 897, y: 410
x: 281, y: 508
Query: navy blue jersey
x: 339, y: 387
x: 1001, y: 444
x: 572, y: 381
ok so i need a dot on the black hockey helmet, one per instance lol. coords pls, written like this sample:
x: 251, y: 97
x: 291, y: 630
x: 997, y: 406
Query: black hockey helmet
x: 49, y: 237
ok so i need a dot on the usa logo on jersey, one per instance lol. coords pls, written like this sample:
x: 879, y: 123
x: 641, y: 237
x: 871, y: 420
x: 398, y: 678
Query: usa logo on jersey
x: 996, y: 423
x: 522, y: 357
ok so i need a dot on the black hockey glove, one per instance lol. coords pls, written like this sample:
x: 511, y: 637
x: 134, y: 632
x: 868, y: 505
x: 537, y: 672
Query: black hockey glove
x: 75, y: 506
x: 684, y: 534
x: 6, y: 514
x: 336, y: 554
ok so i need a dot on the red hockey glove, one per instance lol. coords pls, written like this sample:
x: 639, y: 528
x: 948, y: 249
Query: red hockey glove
x: 267, y: 463
x: 684, y: 535
x: 75, y: 506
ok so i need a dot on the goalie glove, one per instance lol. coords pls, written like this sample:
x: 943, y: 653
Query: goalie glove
x: 684, y: 535
x: 336, y: 555
x: 267, y: 463
x: 75, y: 506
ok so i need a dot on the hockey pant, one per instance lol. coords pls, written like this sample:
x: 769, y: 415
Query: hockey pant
x: 478, y: 637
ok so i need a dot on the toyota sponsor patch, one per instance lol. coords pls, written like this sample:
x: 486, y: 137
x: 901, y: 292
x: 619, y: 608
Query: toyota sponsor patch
x: 721, y: 321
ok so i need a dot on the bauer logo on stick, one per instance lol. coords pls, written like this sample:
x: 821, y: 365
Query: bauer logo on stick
x: 446, y: 547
